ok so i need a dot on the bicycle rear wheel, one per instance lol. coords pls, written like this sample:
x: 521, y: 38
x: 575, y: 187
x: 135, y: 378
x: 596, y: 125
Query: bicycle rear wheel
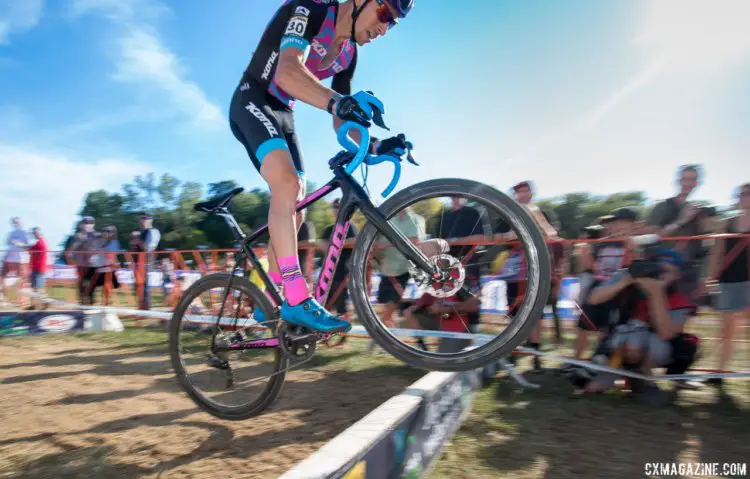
x: 230, y: 367
x: 493, y: 207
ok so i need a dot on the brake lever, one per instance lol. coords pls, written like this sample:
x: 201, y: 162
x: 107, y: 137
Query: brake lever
x: 410, y: 158
x: 377, y: 118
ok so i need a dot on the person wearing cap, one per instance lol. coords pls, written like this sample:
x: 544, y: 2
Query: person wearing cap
x: 602, y: 260
x: 605, y: 222
x: 652, y: 313
x: 84, y: 242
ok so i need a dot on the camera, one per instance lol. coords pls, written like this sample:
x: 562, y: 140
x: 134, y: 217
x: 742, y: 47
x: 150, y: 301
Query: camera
x: 645, y: 268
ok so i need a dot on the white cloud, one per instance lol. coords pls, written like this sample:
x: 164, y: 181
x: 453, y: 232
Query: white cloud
x: 47, y: 189
x: 144, y: 60
x: 141, y: 58
x: 695, y: 35
x: 19, y: 16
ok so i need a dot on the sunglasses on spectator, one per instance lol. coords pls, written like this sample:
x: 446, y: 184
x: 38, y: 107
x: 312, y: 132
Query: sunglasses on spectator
x: 745, y: 193
x: 385, y: 15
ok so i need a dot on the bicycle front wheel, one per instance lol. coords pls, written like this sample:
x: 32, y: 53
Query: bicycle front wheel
x: 461, y: 325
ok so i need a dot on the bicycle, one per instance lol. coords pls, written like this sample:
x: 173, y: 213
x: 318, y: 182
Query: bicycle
x: 288, y: 346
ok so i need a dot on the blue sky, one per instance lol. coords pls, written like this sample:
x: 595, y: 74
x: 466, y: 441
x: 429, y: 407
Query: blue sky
x: 580, y: 95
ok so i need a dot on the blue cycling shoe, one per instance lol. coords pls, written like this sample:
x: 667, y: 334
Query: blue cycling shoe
x: 312, y: 315
x: 259, y: 316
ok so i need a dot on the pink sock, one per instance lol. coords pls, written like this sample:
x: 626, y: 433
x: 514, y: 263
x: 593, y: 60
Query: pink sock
x: 276, y: 278
x: 295, y: 287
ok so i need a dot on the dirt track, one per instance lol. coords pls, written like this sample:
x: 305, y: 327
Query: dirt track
x: 76, y: 408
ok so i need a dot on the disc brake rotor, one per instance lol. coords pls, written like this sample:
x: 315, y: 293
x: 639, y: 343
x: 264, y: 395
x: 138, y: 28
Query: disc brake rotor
x: 452, y: 277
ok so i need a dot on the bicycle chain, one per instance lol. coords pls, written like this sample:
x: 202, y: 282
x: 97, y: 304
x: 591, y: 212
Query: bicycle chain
x: 285, y: 357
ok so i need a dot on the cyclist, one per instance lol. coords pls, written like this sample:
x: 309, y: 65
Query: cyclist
x: 305, y: 42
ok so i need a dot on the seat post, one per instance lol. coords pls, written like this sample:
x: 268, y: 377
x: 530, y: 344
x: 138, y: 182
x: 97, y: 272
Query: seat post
x: 224, y: 213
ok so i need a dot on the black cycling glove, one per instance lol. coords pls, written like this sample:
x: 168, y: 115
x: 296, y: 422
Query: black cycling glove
x: 359, y: 108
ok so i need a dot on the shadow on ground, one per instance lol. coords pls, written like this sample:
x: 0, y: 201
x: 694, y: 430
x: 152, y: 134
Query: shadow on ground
x: 324, y: 405
x: 552, y: 434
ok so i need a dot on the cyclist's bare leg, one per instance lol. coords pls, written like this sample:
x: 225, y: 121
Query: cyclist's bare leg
x: 278, y: 171
x: 273, y: 265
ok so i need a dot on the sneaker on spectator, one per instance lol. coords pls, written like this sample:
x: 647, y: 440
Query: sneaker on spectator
x: 649, y: 393
x: 537, y: 363
x: 688, y: 385
x: 717, y: 382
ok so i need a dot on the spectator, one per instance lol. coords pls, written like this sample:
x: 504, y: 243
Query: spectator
x: 16, y: 258
x: 146, y: 243
x: 463, y: 222
x: 602, y: 260
x: 652, y: 312
x: 514, y: 278
x: 342, y: 270
x: 38, y: 264
x: 229, y: 262
x: 676, y: 217
x: 394, y: 267
x: 167, y: 277
x: 588, y: 233
x: 85, y: 241
x: 546, y: 219
x: 729, y: 268
x: 104, y: 264
x: 261, y: 252
x: 708, y: 225
x: 708, y: 220
x: 606, y: 223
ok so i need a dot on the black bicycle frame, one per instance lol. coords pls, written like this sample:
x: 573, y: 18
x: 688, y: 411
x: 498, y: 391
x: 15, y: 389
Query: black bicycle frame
x: 354, y: 196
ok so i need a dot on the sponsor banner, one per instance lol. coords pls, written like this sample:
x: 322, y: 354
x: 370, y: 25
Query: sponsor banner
x: 438, y: 418
x: 493, y: 294
x: 410, y: 447
x: 40, y: 322
x: 125, y: 276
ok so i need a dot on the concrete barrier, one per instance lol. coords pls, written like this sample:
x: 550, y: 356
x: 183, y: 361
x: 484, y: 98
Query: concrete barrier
x: 402, y: 437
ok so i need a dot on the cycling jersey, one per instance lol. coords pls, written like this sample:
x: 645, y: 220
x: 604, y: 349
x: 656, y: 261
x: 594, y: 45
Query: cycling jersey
x: 310, y: 26
x: 260, y: 113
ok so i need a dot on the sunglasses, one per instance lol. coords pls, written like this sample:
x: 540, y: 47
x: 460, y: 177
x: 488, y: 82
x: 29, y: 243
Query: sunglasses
x: 745, y: 193
x: 385, y: 15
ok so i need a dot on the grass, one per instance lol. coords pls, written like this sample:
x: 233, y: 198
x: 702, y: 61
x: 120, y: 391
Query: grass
x: 549, y: 432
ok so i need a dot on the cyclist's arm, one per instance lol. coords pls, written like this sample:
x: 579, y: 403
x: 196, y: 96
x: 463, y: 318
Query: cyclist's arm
x: 292, y: 75
x: 342, y: 84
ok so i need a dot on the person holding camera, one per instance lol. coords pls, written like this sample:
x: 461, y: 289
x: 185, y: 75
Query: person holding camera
x: 652, y: 312
x: 601, y: 261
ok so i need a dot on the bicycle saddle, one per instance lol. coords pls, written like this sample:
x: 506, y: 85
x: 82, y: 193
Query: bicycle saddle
x: 217, y: 203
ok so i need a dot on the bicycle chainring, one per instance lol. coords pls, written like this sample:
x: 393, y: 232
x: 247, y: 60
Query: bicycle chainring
x: 297, y: 342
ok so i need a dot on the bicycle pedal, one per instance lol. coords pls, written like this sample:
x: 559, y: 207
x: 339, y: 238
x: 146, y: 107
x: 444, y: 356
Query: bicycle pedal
x: 305, y: 338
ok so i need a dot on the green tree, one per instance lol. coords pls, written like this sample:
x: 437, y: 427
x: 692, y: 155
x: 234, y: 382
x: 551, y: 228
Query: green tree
x: 167, y: 189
